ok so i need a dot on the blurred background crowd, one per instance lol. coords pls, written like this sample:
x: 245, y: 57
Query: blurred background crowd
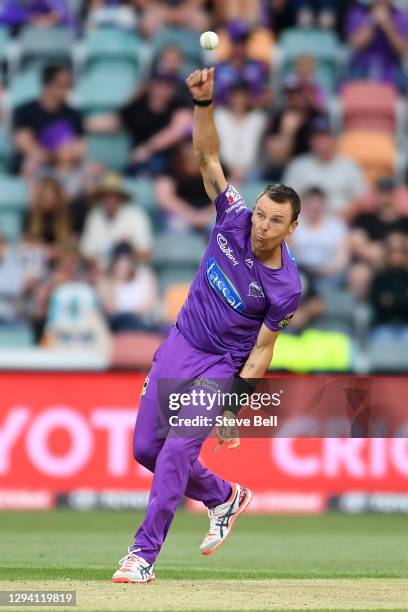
x: 103, y: 214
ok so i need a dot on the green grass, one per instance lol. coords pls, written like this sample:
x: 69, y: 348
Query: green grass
x: 87, y: 546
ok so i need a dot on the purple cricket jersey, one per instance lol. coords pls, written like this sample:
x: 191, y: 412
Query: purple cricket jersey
x: 233, y: 293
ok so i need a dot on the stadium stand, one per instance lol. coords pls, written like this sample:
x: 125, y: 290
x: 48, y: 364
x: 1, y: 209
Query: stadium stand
x: 113, y: 54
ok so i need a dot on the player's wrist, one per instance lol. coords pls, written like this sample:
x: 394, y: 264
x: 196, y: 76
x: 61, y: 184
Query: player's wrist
x: 241, y: 391
x: 203, y: 102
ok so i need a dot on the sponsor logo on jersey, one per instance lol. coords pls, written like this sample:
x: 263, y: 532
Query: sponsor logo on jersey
x: 255, y: 290
x: 285, y: 322
x: 249, y: 263
x: 228, y: 252
x: 222, y: 285
x: 235, y: 199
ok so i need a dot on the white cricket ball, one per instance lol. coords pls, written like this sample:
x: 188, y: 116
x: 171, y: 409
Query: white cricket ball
x: 209, y: 40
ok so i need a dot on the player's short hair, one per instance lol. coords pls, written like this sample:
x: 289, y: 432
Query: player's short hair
x: 282, y: 194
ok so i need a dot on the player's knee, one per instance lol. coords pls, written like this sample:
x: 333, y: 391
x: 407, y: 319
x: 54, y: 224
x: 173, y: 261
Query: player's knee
x: 144, y: 454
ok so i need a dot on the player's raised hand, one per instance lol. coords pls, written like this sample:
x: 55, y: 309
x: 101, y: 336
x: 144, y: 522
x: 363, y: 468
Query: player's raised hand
x: 201, y: 83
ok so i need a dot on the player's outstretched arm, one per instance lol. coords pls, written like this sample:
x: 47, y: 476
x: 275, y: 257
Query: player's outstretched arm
x: 205, y: 137
x: 261, y: 355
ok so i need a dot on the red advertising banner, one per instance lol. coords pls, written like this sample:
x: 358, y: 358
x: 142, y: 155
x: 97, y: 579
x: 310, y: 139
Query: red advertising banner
x: 61, y: 433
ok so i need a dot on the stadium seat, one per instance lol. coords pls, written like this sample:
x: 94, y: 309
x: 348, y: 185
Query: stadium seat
x: 13, y: 193
x: 338, y: 311
x: 175, y: 275
x: 5, y: 149
x: 5, y: 39
x: 112, y: 150
x: 24, y: 87
x: 323, y: 45
x: 16, y: 335
x: 11, y: 223
x: 134, y: 349
x: 369, y: 106
x: 39, y: 46
x: 111, y: 43
x: 374, y: 151
x: 183, y: 249
x: 106, y: 86
x: 387, y: 356
x: 174, y: 298
x: 250, y: 191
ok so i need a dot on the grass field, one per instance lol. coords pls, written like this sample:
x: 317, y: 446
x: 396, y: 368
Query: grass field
x: 331, y: 562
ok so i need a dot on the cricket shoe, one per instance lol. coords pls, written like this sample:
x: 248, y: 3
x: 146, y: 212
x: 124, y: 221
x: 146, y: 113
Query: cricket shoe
x: 222, y: 518
x: 134, y: 569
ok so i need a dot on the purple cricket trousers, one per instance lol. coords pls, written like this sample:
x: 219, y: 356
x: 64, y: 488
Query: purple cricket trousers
x: 174, y: 459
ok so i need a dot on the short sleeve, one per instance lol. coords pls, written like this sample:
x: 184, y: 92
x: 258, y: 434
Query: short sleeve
x: 279, y: 315
x: 230, y: 207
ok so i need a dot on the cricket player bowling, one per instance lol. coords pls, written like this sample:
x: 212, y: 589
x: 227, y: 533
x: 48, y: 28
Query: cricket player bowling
x: 245, y: 292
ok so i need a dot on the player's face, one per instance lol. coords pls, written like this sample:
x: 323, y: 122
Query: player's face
x: 271, y: 223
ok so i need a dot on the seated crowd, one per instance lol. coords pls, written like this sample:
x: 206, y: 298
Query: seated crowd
x: 84, y: 267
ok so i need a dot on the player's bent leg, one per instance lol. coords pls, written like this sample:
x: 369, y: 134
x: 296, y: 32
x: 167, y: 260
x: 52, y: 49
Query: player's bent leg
x: 173, y: 467
x: 222, y: 518
x: 146, y: 443
x: 206, y: 487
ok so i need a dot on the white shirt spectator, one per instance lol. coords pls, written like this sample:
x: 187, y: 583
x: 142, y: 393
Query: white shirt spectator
x: 101, y: 232
x: 316, y: 246
x: 240, y: 137
x: 341, y: 179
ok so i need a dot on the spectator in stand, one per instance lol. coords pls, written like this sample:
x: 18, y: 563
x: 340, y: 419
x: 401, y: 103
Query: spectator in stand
x: 304, y: 77
x: 320, y: 243
x: 378, y: 35
x: 112, y: 221
x: 73, y: 316
x: 289, y: 130
x: 39, y: 13
x: 340, y: 178
x: 169, y: 61
x: 389, y: 291
x: 156, y: 14
x: 48, y: 222
x: 181, y: 195
x: 110, y: 13
x: 239, y: 68
x: 128, y: 292
x: 320, y: 13
x: 156, y: 120
x: 48, y: 132
x: 11, y: 283
x: 370, y: 229
x: 311, y: 306
x: 241, y: 128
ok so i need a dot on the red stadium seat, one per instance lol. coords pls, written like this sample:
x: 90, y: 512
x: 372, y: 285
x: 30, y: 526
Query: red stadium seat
x: 369, y: 106
x: 134, y: 349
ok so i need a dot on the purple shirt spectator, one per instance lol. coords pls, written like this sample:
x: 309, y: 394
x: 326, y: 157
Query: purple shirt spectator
x: 378, y: 60
x: 20, y: 12
x: 253, y: 73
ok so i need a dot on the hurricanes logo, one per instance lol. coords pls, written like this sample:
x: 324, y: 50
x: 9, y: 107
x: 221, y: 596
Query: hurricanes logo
x: 255, y: 290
